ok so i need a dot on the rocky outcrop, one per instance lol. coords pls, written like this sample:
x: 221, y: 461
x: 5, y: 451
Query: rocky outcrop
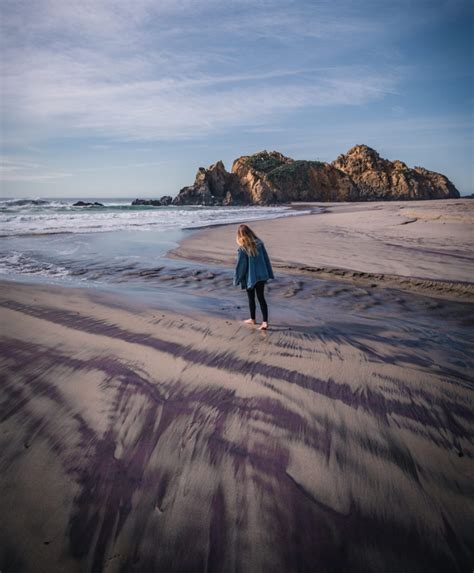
x: 166, y: 200
x: 146, y: 202
x: 380, y: 179
x: 267, y: 178
x: 252, y: 173
x: 270, y: 177
x: 213, y: 186
x: 162, y: 202
x: 22, y: 202
x: 87, y: 204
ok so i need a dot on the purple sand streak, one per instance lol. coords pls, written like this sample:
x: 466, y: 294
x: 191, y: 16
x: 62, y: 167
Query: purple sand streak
x: 301, y: 546
x: 273, y: 409
x: 372, y: 402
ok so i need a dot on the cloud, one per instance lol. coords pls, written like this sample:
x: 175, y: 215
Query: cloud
x: 126, y: 166
x: 24, y: 170
x: 131, y: 70
x: 69, y: 96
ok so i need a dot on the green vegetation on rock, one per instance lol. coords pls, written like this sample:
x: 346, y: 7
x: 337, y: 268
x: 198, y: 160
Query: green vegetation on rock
x: 263, y: 162
x: 289, y: 170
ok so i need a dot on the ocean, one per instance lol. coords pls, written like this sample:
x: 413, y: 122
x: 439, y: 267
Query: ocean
x: 50, y: 240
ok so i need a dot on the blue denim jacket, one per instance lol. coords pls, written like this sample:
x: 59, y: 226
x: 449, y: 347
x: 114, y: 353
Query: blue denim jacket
x: 251, y: 269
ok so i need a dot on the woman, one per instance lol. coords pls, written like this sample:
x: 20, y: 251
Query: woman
x: 252, y: 271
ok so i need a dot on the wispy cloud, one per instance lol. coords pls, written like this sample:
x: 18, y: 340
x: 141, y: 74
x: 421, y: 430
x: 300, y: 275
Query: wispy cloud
x: 63, y: 96
x: 108, y: 69
x: 24, y: 170
x: 126, y: 166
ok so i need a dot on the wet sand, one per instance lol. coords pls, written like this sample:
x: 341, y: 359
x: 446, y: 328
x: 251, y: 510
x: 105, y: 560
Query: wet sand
x: 139, y: 439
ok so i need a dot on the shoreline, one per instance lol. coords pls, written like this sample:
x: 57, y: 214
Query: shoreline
x: 367, y: 271
x: 110, y: 257
x: 292, y: 207
x: 197, y: 248
x: 196, y: 208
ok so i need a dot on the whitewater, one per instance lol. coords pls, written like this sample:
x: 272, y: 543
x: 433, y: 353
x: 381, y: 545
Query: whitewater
x: 51, y: 240
x: 42, y: 216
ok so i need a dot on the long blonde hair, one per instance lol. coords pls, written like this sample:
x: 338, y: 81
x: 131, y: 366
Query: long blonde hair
x: 247, y: 239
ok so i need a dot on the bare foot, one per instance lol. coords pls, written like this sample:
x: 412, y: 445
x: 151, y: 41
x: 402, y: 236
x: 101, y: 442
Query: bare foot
x: 263, y: 326
x: 250, y: 321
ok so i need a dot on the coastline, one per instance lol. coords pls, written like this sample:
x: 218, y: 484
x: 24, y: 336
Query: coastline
x: 155, y: 431
x: 104, y: 246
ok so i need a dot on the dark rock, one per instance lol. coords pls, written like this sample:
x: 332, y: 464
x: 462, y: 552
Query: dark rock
x: 166, y: 200
x: 150, y: 202
x: 21, y: 202
x: 87, y: 204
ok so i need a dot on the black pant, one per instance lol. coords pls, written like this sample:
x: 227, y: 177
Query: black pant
x: 259, y: 287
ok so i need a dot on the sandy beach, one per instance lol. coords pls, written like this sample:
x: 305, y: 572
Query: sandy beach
x: 138, y: 437
x: 423, y: 246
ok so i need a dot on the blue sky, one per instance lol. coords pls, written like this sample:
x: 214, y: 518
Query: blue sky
x: 128, y: 98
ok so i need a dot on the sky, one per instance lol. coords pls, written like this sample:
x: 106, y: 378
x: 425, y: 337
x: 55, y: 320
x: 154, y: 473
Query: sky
x: 108, y: 98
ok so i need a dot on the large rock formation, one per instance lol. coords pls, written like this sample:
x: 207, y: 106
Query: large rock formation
x: 270, y: 177
x: 213, y: 186
x: 267, y: 178
x: 380, y: 179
